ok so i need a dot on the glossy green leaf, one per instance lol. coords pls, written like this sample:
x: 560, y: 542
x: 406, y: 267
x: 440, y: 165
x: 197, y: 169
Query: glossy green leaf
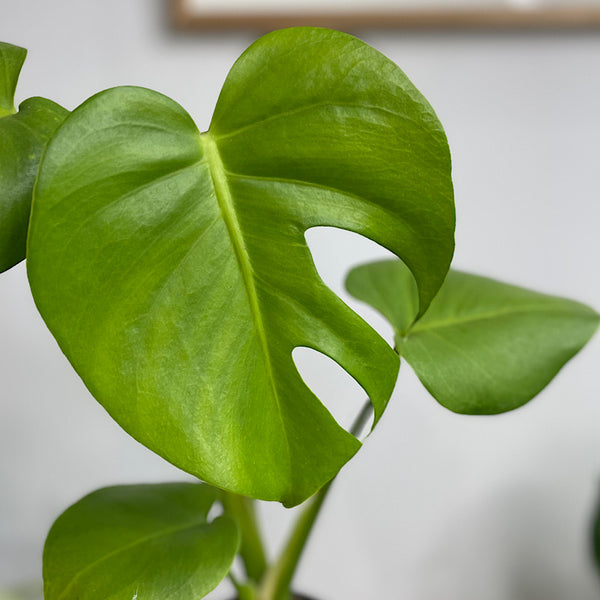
x: 142, y: 542
x: 483, y: 346
x: 172, y: 267
x: 23, y: 136
x: 11, y: 62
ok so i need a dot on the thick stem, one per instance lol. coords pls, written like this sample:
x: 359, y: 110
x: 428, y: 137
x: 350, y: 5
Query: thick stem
x: 276, y: 584
x: 252, y: 549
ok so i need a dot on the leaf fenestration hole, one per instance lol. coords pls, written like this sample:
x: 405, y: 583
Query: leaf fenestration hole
x: 339, y: 392
x: 335, y: 251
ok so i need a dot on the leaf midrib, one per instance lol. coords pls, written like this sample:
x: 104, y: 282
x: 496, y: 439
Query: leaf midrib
x: 225, y: 201
x: 445, y: 323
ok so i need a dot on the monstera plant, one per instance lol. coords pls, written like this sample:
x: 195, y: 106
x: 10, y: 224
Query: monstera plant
x: 172, y: 268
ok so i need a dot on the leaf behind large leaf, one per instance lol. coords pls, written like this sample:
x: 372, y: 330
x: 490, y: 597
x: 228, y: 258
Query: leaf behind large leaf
x: 11, y: 63
x: 483, y: 346
x: 23, y: 136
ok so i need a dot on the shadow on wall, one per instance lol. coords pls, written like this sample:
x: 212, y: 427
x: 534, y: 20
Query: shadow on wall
x: 534, y: 551
x: 541, y: 566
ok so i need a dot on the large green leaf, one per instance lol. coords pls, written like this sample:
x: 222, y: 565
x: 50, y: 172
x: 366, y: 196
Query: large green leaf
x: 23, y: 136
x: 483, y: 346
x: 173, y: 270
x: 148, y: 542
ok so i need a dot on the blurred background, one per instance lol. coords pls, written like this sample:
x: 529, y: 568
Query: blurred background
x: 436, y: 505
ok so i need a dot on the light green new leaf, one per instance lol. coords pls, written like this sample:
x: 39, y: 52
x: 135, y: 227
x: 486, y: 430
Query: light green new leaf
x: 147, y: 542
x: 483, y: 346
x: 23, y: 136
x: 172, y: 267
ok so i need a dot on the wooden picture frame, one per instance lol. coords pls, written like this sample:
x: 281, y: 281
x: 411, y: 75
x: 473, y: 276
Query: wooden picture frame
x: 568, y: 15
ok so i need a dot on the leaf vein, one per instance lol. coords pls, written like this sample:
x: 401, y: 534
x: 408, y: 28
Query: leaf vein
x: 148, y: 538
x: 309, y: 107
x: 225, y: 202
x: 442, y: 324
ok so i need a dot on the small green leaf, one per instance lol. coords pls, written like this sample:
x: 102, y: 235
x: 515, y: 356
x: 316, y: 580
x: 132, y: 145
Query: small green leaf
x: 483, y: 346
x: 11, y: 62
x: 173, y: 270
x: 139, y: 542
x: 23, y: 136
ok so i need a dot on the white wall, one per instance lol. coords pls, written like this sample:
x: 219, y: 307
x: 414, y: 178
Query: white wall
x: 436, y: 505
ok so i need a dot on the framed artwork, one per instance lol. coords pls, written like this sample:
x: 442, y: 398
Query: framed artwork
x: 407, y: 14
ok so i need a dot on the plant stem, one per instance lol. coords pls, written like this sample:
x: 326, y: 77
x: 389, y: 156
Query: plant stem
x: 252, y: 549
x: 276, y: 584
x: 245, y: 591
x: 236, y: 584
